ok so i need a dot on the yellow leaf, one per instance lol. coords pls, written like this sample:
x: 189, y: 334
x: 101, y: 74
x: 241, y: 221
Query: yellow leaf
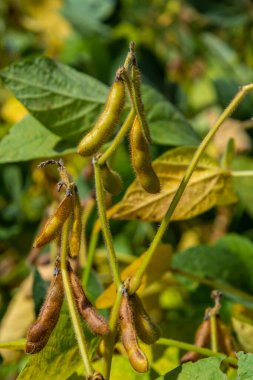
x: 158, y: 265
x: 209, y: 186
x: 242, y: 322
x: 12, y: 110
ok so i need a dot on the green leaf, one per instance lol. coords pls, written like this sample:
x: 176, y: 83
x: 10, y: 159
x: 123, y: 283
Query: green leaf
x: 204, y: 369
x: 61, y: 98
x: 209, y: 185
x: 245, y: 365
x: 167, y: 125
x: 39, y: 290
x: 230, y: 261
x: 28, y: 140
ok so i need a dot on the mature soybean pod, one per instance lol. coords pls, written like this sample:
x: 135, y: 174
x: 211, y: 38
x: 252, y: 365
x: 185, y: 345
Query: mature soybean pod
x: 136, y: 357
x: 96, y: 323
x: 76, y: 229
x: 202, y: 338
x: 107, y: 121
x: 141, y: 159
x: 54, y: 224
x: 146, y: 329
x: 111, y: 180
x: 225, y: 339
x: 40, y: 331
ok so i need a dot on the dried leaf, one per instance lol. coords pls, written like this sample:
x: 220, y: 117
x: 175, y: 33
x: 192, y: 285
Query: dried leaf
x: 210, y: 185
x: 159, y: 264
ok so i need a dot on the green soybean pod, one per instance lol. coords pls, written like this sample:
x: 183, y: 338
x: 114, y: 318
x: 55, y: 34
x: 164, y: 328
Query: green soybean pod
x: 135, y: 355
x: 146, y: 329
x: 107, y: 121
x: 76, y: 229
x: 141, y: 159
x: 111, y: 180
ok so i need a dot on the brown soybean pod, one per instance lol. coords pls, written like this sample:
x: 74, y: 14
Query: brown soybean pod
x: 54, y: 224
x: 107, y: 121
x: 76, y: 229
x: 111, y: 180
x: 202, y: 338
x: 96, y: 323
x: 146, y: 329
x: 40, y: 331
x: 225, y: 340
x: 136, y: 357
x: 141, y: 159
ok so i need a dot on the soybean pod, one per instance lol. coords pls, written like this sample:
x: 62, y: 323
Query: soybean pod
x: 39, y: 333
x: 225, y: 339
x: 136, y: 357
x: 141, y: 159
x: 146, y: 329
x: 54, y: 224
x: 76, y: 229
x: 107, y: 121
x: 111, y: 180
x: 95, y: 322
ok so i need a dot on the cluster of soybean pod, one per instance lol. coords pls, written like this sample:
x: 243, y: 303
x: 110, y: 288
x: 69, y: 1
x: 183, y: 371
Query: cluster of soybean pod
x: 134, y: 322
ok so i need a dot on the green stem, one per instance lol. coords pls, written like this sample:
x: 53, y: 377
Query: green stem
x: 242, y: 173
x: 214, y: 284
x: 136, y: 280
x: 105, y: 226
x: 192, y: 347
x: 90, y: 257
x: 14, y: 345
x: 110, y: 339
x: 71, y: 303
x: 214, y: 338
x: 122, y: 132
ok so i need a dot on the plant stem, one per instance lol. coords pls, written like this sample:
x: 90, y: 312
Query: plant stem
x: 242, y: 173
x: 136, y: 280
x: 192, y: 347
x: 90, y: 257
x: 226, y: 288
x: 71, y: 303
x: 85, y: 216
x: 214, y: 338
x: 105, y: 226
x: 118, y: 138
x: 110, y: 339
x: 14, y: 345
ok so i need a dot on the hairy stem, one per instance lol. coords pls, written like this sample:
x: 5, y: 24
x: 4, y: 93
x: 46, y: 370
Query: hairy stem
x: 71, y: 303
x: 136, y: 280
x: 192, y: 347
x: 110, y: 339
x: 122, y: 132
x: 105, y: 226
x: 214, y: 338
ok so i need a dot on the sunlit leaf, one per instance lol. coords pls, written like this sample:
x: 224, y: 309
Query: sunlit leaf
x: 245, y: 365
x: 158, y: 265
x: 208, y: 187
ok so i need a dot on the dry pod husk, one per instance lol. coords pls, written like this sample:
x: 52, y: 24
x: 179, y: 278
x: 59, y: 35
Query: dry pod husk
x: 202, y: 338
x: 107, y: 121
x: 141, y: 159
x: 225, y: 339
x: 54, y: 224
x: 76, y: 229
x: 40, y: 331
x: 136, y: 357
x: 95, y: 322
x: 146, y: 329
x: 111, y: 180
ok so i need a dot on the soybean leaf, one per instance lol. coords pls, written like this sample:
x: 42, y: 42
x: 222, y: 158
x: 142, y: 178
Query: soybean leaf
x: 39, y: 290
x: 28, y: 140
x: 61, y: 98
x: 208, y: 369
x: 245, y: 365
x: 209, y: 186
